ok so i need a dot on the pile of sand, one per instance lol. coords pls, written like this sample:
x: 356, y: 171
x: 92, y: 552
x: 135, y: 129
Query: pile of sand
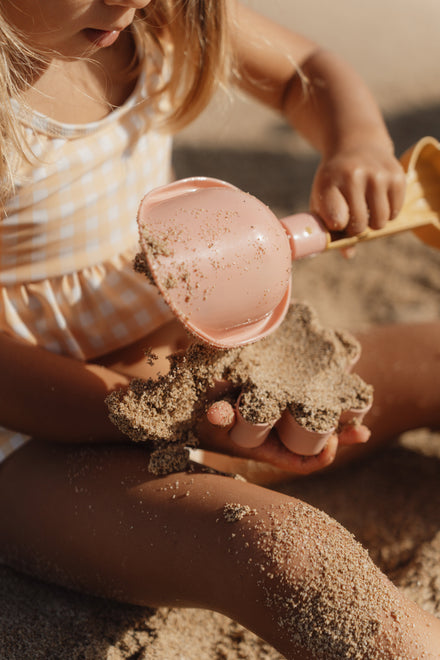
x: 303, y: 368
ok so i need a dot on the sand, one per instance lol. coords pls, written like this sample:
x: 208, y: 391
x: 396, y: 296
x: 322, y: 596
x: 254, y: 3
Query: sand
x: 392, y: 280
x: 301, y: 370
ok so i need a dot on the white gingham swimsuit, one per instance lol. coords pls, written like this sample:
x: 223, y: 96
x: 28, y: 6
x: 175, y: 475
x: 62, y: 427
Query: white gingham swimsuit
x: 69, y: 235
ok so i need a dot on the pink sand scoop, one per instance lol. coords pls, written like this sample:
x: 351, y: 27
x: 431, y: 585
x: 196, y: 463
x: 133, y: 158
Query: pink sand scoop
x: 222, y: 260
x: 219, y: 257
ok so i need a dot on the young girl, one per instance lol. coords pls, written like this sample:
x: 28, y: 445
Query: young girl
x: 92, y: 90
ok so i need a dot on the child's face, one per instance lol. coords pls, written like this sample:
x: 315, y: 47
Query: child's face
x: 70, y: 27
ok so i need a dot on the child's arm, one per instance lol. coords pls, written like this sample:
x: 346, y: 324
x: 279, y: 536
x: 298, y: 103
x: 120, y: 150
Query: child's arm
x: 59, y: 399
x: 55, y: 397
x: 359, y: 181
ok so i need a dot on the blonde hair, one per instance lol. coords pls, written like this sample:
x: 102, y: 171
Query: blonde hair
x: 191, y: 34
x: 197, y: 31
x: 17, y: 62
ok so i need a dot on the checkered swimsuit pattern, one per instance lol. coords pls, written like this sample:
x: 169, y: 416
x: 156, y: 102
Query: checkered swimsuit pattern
x: 69, y: 235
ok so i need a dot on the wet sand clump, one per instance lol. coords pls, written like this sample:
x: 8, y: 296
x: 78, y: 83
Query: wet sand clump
x: 302, y: 367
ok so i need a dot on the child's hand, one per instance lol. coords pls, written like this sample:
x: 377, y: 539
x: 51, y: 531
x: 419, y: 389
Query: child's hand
x: 358, y: 187
x: 298, y: 380
x: 219, y: 427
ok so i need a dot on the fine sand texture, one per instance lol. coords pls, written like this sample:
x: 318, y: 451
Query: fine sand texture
x: 302, y: 370
x: 394, y: 279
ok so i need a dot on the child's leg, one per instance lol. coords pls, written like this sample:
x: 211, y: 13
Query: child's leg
x: 96, y: 520
x: 402, y: 362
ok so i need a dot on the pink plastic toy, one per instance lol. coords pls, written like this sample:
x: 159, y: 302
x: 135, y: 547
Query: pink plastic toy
x: 222, y: 260
x: 219, y: 257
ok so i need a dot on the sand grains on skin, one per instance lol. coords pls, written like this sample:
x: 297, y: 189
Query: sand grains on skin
x: 323, y: 590
x: 233, y: 512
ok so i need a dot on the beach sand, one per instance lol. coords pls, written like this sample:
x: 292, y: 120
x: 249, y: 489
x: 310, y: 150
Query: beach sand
x: 391, y: 501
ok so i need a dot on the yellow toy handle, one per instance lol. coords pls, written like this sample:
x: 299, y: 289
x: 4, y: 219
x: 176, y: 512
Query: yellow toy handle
x: 422, y: 199
x: 421, y: 207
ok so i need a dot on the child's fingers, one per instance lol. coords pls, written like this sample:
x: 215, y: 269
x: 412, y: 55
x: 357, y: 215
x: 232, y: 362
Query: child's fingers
x: 272, y: 451
x: 307, y: 464
x: 354, y: 434
x: 348, y: 252
x: 354, y: 190
x: 385, y: 193
x: 378, y: 203
x: 396, y: 192
x: 221, y: 414
x: 330, y: 204
x: 351, y: 430
x: 261, y: 444
x: 344, y: 208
